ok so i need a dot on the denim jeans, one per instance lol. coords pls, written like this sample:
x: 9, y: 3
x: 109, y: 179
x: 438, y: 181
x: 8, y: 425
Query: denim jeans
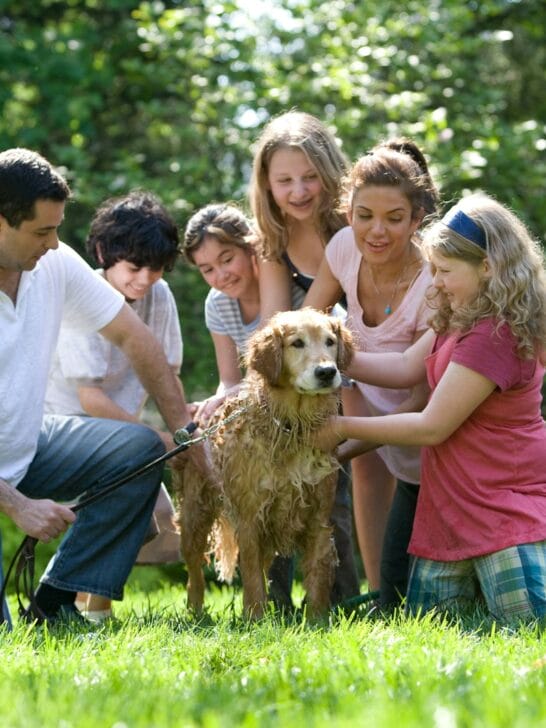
x: 84, y: 454
x: 4, y: 606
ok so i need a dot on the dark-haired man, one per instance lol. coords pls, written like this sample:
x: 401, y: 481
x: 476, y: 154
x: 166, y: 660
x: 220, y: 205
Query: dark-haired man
x: 45, y: 460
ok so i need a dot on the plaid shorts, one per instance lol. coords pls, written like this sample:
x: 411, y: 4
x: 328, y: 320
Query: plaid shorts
x: 512, y: 582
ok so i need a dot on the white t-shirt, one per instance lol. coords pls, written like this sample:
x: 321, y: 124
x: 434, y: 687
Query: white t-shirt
x: 61, y: 286
x: 223, y: 315
x: 89, y: 359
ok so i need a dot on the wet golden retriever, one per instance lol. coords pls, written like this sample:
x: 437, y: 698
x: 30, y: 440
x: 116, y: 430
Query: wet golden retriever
x: 273, y: 491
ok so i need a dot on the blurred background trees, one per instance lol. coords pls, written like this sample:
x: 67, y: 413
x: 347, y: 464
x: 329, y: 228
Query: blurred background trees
x: 170, y: 96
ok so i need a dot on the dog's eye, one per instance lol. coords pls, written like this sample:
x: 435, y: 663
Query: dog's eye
x: 298, y: 344
x: 330, y: 341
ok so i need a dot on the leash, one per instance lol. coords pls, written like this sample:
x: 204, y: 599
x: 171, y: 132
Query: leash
x: 353, y: 603
x: 23, y: 562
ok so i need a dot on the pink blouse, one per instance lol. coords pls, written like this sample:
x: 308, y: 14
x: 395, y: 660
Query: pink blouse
x: 396, y: 333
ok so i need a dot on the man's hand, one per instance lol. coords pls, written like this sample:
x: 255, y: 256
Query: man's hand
x: 197, y: 454
x: 43, y: 519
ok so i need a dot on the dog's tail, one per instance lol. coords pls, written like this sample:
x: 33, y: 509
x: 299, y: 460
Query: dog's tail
x: 226, y: 550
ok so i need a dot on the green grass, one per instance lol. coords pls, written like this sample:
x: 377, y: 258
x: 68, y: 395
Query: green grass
x: 155, y: 666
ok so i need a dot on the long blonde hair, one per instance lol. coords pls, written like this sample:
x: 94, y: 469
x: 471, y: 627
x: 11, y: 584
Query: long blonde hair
x: 515, y: 291
x: 301, y: 131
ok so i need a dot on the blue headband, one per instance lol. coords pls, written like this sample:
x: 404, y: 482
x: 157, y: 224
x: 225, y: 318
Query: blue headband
x: 461, y: 223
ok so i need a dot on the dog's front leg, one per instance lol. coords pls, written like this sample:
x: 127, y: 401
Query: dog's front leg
x: 318, y: 570
x: 319, y: 553
x: 193, y: 552
x: 196, y: 515
x: 251, y: 564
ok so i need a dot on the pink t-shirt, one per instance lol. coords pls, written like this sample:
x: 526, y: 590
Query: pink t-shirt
x: 396, y: 333
x: 484, y: 488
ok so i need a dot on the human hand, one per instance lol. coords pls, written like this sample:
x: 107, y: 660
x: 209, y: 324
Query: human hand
x: 200, y: 457
x: 329, y: 436
x: 192, y: 408
x: 208, y: 407
x: 352, y: 448
x: 43, y: 519
x: 193, y: 453
x: 167, y: 438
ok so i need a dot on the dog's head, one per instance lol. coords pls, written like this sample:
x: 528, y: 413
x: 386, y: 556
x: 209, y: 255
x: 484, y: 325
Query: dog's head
x: 304, y: 350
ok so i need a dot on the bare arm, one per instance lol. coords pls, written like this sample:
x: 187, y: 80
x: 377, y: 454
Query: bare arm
x: 457, y: 395
x: 96, y: 403
x: 227, y: 361
x: 275, y: 289
x: 325, y: 290
x: 416, y: 402
x: 150, y: 364
x: 41, y: 518
x: 396, y: 370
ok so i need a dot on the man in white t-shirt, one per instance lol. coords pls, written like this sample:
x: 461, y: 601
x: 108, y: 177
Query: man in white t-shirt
x: 45, y: 460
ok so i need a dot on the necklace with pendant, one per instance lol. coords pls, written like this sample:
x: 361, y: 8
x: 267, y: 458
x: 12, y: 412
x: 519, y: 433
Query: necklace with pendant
x: 388, y: 307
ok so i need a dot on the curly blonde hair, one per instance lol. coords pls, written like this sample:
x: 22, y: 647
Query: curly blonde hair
x: 514, y: 293
x: 304, y: 132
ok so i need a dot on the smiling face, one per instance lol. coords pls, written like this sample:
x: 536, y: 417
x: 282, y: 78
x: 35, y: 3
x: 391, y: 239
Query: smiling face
x: 21, y: 247
x: 294, y: 183
x: 382, y: 222
x: 131, y: 280
x: 228, y: 268
x: 458, y: 280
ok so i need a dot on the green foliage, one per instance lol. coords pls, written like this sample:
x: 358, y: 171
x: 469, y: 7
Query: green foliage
x: 170, y: 95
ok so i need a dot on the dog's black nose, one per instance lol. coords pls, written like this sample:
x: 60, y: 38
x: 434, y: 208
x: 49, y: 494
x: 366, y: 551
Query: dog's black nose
x: 325, y: 373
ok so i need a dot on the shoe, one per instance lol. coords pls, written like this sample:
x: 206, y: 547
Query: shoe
x: 67, y: 614
x: 70, y: 616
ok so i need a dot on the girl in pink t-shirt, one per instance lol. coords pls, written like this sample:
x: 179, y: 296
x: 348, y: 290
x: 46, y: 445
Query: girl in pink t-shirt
x: 480, y: 525
x: 378, y: 265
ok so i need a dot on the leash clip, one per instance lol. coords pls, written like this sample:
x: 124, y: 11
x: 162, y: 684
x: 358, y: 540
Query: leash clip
x: 184, y: 434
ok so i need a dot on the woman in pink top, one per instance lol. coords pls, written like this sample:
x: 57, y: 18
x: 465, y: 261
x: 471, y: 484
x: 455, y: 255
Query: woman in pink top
x: 480, y: 525
x: 378, y: 266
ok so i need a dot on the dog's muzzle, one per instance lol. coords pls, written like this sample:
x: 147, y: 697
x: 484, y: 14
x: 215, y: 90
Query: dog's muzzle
x: 325, y: 374
x: 320, y: 379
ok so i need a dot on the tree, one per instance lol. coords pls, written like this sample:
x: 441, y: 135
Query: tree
x: 171, y: 95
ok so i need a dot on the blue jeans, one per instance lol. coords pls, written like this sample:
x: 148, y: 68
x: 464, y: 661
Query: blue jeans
x: 84, y: 454
x: 4, y: 606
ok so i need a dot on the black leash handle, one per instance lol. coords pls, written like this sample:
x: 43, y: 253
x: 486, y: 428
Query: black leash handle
x: 24, y: 559
x: 183, y: 439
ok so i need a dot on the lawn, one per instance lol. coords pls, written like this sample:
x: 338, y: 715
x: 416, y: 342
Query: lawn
x: 156, y: 666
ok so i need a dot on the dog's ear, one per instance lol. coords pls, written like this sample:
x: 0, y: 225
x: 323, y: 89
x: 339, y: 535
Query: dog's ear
x: 264, y: 354
x: 345, y: 344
